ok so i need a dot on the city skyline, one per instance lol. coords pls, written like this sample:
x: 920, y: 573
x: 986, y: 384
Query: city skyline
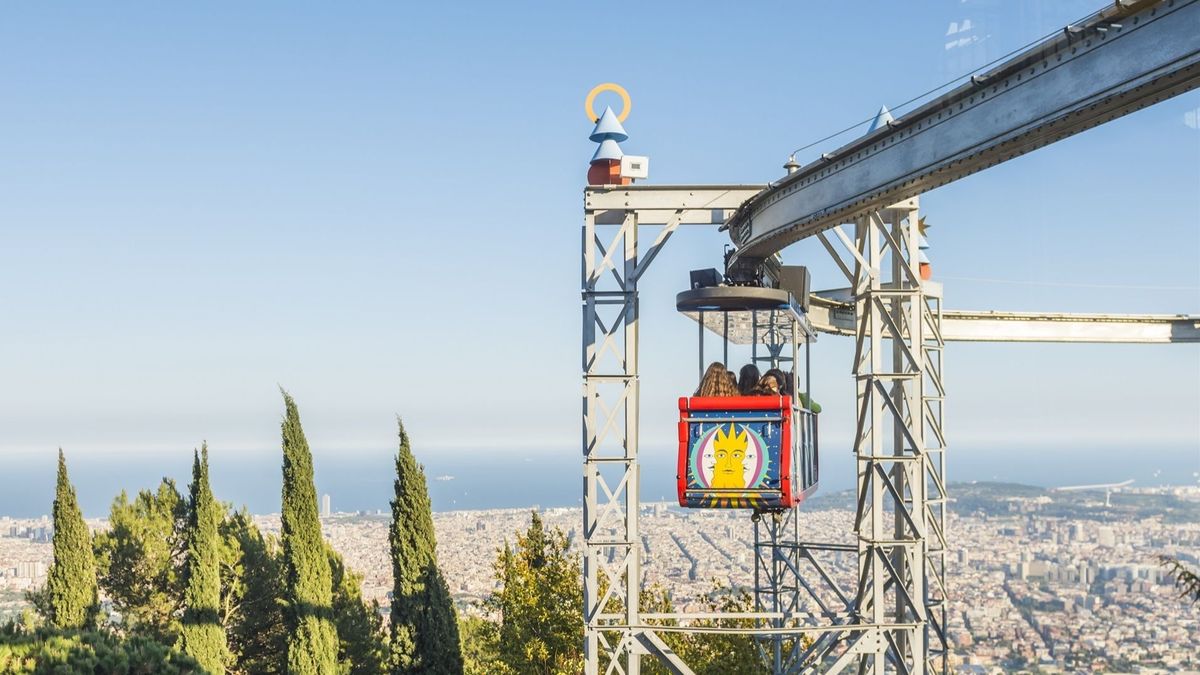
x: 1043, y: 578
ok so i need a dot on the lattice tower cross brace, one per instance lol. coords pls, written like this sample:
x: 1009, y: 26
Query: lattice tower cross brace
x: 893, y: 466
x: 900, y: 513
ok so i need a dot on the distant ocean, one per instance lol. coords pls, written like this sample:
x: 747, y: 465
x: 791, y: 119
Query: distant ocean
x: 362, y: 480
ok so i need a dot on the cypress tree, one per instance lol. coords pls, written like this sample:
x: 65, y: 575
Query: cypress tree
x: 312, y: 643
x: 424, y: 625
x: 203, y: 636
x: 71, y: 597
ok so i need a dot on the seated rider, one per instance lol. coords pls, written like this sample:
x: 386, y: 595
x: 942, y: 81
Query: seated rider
x: 748, y: 379
x: 716, y: 382
x: 767, y: 386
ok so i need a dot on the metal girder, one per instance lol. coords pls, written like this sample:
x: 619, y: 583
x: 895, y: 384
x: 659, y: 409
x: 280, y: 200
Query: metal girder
x: 833, y: 312
x: 656, y: 204
x: 1121, y: 60
x: 666, y: 656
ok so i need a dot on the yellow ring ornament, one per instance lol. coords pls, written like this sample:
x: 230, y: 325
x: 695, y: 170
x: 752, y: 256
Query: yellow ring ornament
x: 607, y: 86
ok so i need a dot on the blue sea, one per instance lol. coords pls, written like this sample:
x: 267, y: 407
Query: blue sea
x: 362, y: 480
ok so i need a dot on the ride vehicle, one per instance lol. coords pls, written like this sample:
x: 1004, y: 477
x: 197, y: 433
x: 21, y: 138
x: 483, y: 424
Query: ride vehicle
x: 755, y: 452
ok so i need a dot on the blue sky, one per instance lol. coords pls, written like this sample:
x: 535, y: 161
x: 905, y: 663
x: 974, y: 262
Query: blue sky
x: 377, y: 206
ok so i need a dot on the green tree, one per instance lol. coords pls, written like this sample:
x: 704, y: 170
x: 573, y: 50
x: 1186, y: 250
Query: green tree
x: 203, y: 635
x: 424, y: 627
x: 720, y: 653
x: 361, y: 650
x: 252, y: 574
x: 50, y: 651
x: 312, y: 642
x: 141, y: 558
x: 72, y: 599
x: 540, y: 603
x: 481, y: 647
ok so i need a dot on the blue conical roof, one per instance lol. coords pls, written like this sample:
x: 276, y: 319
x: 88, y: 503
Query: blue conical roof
x: 608, y: 150
x: 923, y: 258
x: 881, y: 118
x: 924, y: 243
x: 608, y: 127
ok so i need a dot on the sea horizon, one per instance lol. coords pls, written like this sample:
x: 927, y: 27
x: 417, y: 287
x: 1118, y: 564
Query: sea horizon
x: 461, y: 480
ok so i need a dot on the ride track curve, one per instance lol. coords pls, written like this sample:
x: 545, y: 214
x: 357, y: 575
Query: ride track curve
x: 1117, y: 61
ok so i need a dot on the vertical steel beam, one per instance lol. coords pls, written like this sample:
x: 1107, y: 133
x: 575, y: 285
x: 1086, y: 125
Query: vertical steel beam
x: 633, y: 569
x: 900, y: 528
x: 611, y: 556
x: 591, y: 645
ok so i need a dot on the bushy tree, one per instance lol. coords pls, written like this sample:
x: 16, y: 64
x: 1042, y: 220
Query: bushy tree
x: 424, y: 626
x: 141, y: 560
x: 481, y: 647
x: 203, y: 634
x: 361, y: 650
x: 252, y: 574
x: 540, y: 603
x: 720, y: 653
x: 51, y: 651
x: 312, y: 642
x: 71, y: 597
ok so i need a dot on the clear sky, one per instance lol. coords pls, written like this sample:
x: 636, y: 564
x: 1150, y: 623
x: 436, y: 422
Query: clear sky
x: 377, y: 206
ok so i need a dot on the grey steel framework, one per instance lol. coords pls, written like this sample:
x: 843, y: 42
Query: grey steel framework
x: 616, y: 635
x: 899, y: 446
x: 880, y: 624
x: 795, y: 592
x: 1126, y: 57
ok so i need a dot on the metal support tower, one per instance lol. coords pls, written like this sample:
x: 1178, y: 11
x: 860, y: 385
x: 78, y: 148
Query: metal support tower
x: 893, y: 616
x: 899, y: 447
x: 777, y: 580
x: 777, y: 551
x: 615, y: 636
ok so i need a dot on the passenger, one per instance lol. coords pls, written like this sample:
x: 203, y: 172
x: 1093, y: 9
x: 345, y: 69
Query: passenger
x: 767, y: 386
x: 716, y: 382
x: 748, y: 379
x: 785, y: 382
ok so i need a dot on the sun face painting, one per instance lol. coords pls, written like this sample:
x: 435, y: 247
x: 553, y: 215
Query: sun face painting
x: 729, y: 451
x: 729, y: 457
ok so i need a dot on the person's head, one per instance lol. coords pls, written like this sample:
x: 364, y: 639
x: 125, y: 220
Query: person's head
x: 715, y: 381
x: 767, y: 384
x: 748, y: 379
x: 782, y: 383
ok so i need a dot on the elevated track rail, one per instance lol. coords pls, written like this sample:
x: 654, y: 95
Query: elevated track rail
x: 1122, y: 59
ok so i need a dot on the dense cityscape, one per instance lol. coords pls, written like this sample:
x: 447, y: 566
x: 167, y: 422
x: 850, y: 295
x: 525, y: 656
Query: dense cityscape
x: 1039, y: 581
